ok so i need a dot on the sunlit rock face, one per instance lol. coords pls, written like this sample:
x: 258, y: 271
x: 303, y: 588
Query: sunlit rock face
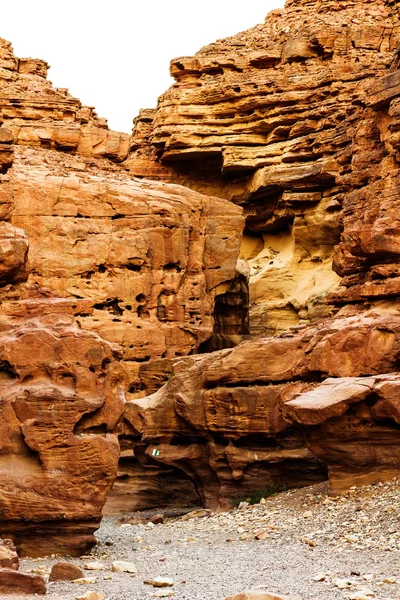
x: 266, y: 118
x: 295, y: 120
x: 144, y: 260
x: 62, y: 393
x: 281, y: 411
x: 100, y: 274
x: 42, y: 116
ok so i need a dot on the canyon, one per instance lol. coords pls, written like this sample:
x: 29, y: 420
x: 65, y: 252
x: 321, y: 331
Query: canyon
x: 209, y: 307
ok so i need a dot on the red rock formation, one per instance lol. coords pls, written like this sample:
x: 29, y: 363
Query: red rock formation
x: 62, y: 394
x: 42, y: 116
x: 136, y: 263
x: 352, y: 424
x: 226, y: 419
x: 262, y: 118
x: 144, y: 260
x: 296, y: 120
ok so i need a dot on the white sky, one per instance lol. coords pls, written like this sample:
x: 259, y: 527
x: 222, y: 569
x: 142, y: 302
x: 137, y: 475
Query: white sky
x: 114, y: 54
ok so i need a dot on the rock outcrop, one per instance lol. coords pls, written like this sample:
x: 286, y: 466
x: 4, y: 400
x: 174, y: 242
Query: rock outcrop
x: 99, y: 274
x: 266, y: 118
x: 288, y: 132
x: 234, y: 421
x: 62, y: 394
x: 144, y: 261
x: 295, y: 120
x: 42, y: 116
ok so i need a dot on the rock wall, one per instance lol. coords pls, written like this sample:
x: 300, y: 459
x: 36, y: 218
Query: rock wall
x: 42, y: 116
x: 287, y: 131
x: 62, y: 394
x: 262, y: 118
x: 295, y: 120
x: 119, y: 272
x: 280, y: 411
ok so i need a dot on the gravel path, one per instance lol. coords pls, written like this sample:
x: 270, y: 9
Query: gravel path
x: 352, y: 543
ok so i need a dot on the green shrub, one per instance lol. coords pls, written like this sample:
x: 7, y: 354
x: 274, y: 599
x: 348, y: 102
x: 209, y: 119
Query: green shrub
x: 255, y: 496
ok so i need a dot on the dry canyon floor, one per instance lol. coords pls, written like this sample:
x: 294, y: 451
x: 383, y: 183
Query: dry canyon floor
x: 310, y: 545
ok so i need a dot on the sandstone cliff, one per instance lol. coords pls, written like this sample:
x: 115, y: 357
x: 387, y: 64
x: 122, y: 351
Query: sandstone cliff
x: 112, y: 280
x: 99, y: 274
x: 295, y: 120
x: 266, y: 118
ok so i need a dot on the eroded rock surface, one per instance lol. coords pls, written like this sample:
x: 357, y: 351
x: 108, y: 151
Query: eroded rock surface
x: 144, y: 260
x: 62, y: 395
x: 88, y: 254
x: 230, y: 420
x: 42, y: 116
x: 266, y: 118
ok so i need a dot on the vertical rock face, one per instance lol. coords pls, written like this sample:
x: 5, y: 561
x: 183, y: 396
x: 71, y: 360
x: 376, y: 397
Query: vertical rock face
x: 262, y: 119
x: 42, y: 116
x: 368, y: 254
x: 116, y: 272
x: 144, y: 261
x: 295, y: 120
x: 62, y: 393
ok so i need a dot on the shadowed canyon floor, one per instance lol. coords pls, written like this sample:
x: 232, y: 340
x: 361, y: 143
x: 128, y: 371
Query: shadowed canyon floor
x: 313, y: 546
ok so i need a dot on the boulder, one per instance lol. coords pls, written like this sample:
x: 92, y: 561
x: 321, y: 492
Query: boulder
x: 8, y: 555
x: 13, y: 582
x: 65, y: 571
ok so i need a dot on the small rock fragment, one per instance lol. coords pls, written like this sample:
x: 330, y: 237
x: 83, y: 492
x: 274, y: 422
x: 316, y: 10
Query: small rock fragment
x: 259, y: 595
x: 65, y: 571
x: 8, y: 555
x: 123, y: 566
x: 94, y: 566
x: 85, y: 580
x: 160, y: 582
x: 157, y: 519
x: 342, y: 584
x: 197, y: 514
x: 92, y: 596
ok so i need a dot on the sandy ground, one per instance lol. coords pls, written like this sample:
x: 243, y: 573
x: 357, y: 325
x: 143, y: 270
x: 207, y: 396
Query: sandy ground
x: 312, y: 546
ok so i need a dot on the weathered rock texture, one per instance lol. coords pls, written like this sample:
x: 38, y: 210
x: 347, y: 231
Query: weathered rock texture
x: 234, y: 421
x: 262, y: 118
x: 134, y: 263
x: 42, y: 116
x: 62, y: 393
x: 144, y: 261
x: 297, y: 121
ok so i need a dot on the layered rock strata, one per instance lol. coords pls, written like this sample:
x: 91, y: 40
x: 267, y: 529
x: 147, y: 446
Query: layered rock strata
x: 235, y: 421
x: 368, y: 254
x: 143, y: 261
x: 62, y: 394
x: 262, y: 119
x: 42, y: 116
x: 135, y: 263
